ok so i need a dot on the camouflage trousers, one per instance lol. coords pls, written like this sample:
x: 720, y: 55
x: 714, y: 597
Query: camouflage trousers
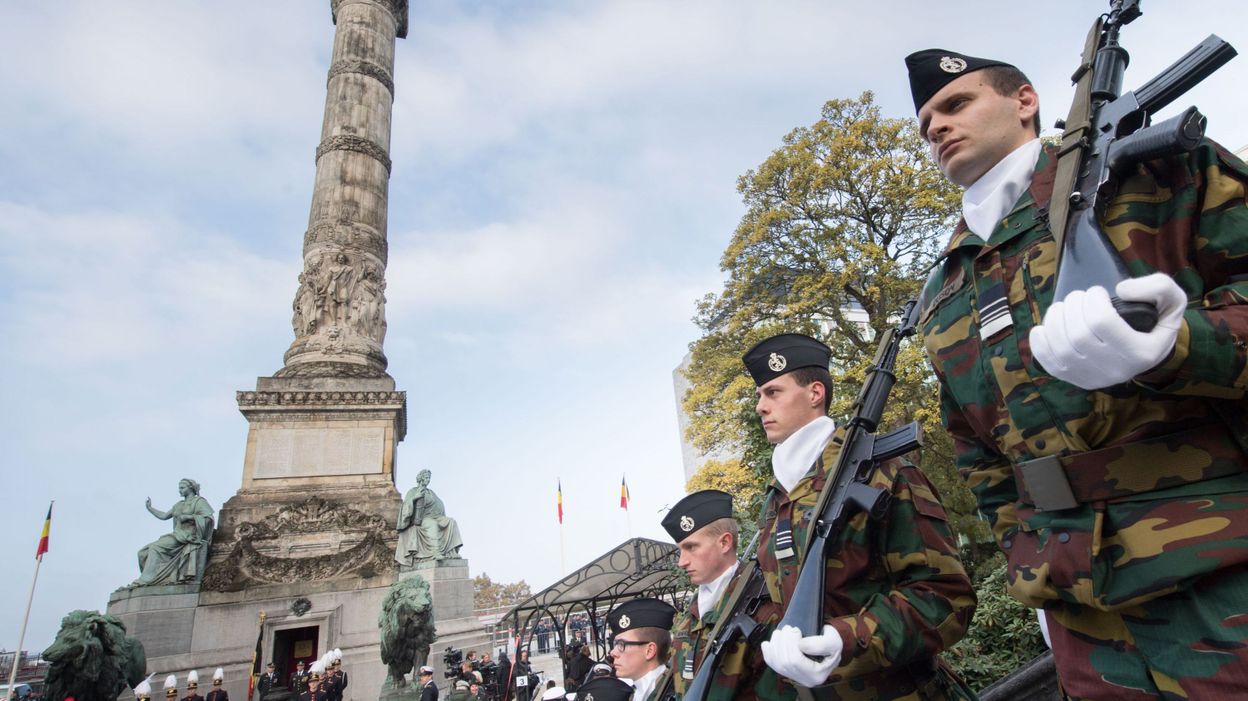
x: 1192, y: 644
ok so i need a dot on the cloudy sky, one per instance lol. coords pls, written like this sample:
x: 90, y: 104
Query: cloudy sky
x: 563, y: 186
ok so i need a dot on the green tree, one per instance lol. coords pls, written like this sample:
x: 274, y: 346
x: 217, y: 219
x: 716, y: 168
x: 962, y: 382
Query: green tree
x: 733, y: 477
x: 486, y: 593
x: 842, y: 223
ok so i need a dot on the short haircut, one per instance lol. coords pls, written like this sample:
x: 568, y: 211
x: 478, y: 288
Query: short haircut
x: 660, y: 637
x: 723, y: 525
x: 813, y: 373
x: 1005, y: 80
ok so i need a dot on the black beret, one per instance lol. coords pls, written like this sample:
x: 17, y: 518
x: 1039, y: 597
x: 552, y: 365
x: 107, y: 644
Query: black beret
x: 695, y: 511
x: 640, y: 613
x: 604, y: 689
x: 933, y: 69
x: 775, y: 356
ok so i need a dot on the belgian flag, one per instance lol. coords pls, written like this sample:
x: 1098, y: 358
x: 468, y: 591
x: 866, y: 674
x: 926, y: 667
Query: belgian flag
x: 43, y: 537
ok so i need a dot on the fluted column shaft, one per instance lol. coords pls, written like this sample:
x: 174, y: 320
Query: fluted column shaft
x: 339, y: 308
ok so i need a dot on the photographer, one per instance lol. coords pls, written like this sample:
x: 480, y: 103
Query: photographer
x: 489, y: 677
x: 525, y: 679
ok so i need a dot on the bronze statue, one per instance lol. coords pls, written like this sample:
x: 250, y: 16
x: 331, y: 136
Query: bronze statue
x: 179, y: 556
x: 425, y: 531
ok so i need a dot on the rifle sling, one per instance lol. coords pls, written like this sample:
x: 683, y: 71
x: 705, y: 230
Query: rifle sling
x: 1078, y: 123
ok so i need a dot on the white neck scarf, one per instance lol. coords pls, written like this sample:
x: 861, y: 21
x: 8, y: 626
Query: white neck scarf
x: 793, y: 456
x: 643, y: 686
x: 709, y: 594
x: 991, y: 197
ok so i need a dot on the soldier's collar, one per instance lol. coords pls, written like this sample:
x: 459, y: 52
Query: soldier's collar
x: 1040, y: 190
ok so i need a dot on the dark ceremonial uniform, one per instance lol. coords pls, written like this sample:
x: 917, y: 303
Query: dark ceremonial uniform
x: 429, y: 692
x: 335, y: 682
x: 218, y: 694
x: 267, y: 682
x: 1142, y: 580
x: 299, y: 681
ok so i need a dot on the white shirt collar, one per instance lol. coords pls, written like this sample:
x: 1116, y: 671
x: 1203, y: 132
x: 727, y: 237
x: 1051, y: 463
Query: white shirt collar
x: 643, y: 686
x: 991, y: 197
x: 794, y: 455
x: 710, y: 593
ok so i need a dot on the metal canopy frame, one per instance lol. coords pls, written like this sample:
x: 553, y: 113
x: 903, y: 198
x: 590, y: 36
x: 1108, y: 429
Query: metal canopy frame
x: 635, y: 568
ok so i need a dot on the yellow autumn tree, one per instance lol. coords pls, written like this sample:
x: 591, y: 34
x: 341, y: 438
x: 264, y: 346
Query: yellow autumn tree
x: 843, y: 221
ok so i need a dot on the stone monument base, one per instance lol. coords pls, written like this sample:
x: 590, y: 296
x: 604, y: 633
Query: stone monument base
x: 183, y: 628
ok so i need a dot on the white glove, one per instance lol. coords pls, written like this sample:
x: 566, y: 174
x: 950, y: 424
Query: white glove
x: 1083, y: 341
x: 787, y: 651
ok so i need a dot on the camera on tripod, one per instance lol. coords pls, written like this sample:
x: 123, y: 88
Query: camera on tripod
x: 452, y: 658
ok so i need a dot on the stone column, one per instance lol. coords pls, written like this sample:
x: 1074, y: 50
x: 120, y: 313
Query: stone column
x: 339, y: 309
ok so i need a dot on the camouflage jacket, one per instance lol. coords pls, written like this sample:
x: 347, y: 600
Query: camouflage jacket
x: 1157, y: 465
x: 691, y: 633
x: 895, y: 590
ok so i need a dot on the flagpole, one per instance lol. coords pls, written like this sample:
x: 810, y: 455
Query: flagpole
x: 21, y: 636
x: 563, y: 568
x: 627, y: 498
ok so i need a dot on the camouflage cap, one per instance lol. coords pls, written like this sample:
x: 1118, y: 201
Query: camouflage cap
x: 933, y: 69
x: 696, y: 510
x: 775, y: 356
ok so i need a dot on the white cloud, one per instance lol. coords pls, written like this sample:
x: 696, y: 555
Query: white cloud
x: 99, y: 287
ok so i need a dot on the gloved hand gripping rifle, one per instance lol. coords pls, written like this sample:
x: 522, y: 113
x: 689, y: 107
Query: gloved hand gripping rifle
x: 1105, y: 136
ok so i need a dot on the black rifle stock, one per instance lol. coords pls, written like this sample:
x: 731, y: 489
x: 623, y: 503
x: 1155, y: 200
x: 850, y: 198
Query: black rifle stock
x: 847, y: 490
x: 1107, y: 135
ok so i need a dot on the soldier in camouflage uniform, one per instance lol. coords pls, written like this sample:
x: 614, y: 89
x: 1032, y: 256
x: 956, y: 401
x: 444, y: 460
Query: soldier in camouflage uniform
x: 895, y: 591
x: 704, y: 530
x: 1109, y: 462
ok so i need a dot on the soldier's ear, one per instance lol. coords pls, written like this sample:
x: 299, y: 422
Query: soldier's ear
x: 1028, y: 104
x: 817, y: 393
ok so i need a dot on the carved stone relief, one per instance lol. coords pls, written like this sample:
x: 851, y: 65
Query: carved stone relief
x: 337, y: 296
x: 247, y: 562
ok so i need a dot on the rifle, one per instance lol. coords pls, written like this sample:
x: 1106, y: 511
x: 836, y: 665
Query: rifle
x: 737, y: 623
x: 1105, y: 136
x: 848, y: 489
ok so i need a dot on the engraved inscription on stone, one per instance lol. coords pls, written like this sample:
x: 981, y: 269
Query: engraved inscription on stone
x: 312, y: 452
